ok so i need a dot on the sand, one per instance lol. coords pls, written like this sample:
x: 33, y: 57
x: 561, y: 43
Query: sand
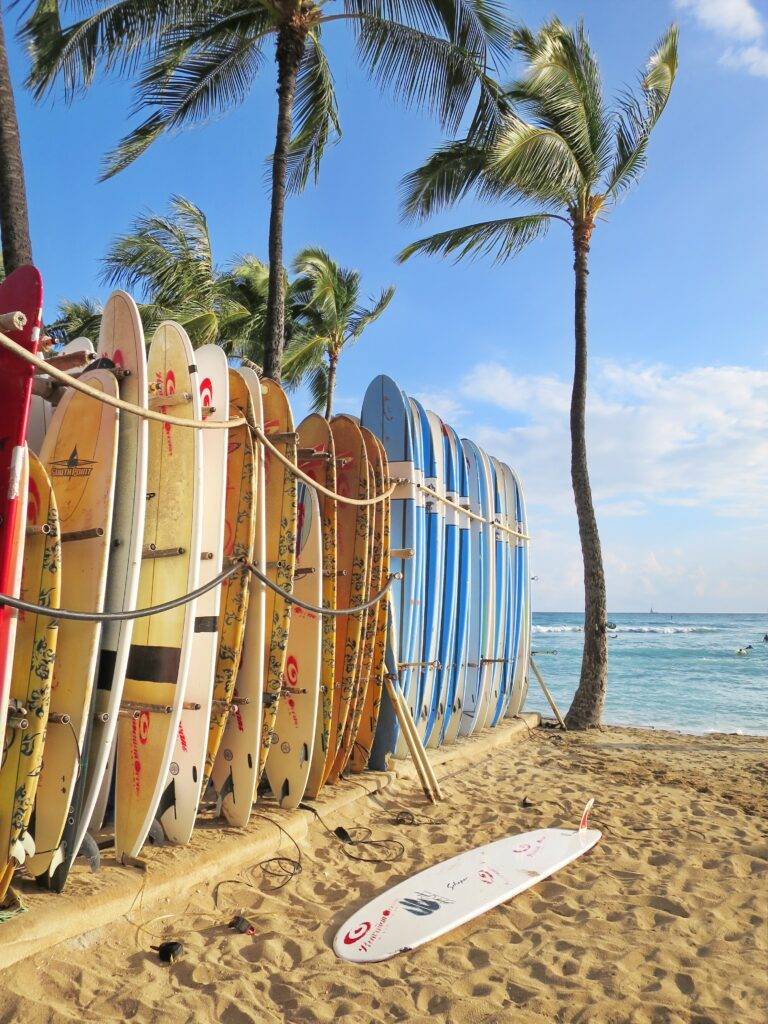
x: 665, y: 921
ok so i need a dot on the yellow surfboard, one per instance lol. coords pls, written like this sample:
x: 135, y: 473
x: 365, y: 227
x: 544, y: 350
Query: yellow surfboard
x: 33, y: 659
x: 281, y: 551
x: 352, y: 561
x: 369, y: 714
x: 239, y: 534
x: 79, y: 452
x: 161, y: 643
x: 317, y: 458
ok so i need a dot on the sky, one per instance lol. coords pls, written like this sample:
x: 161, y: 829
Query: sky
x: 678, y: 305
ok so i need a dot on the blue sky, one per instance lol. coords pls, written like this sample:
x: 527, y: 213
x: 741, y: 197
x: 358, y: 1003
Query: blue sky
x: 678, y: 313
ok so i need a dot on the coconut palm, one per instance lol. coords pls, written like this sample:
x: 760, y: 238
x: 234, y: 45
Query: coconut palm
x: 201, y: 58
x: 14, y: 217
x: 331, y: 318
x: 572, y: 158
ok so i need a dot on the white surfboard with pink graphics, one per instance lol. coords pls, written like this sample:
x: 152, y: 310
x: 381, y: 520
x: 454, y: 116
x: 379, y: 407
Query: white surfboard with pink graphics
x: 449, y: 894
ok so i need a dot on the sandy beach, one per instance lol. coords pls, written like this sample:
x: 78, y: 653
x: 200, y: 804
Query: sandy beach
x: 665, y: 922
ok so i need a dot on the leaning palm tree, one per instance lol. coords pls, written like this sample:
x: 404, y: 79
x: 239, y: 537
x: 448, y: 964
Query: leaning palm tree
x: 331, y: 318
x: 14, y: 217
x: 565, y: 152
x: 201, y: 58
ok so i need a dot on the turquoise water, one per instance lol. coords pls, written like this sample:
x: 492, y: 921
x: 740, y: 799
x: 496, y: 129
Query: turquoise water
x: 668, y: 671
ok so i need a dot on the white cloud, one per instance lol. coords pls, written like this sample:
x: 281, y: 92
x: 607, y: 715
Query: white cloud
x: 679, y: 469
x: 739, y: 22
x: 734, y: 19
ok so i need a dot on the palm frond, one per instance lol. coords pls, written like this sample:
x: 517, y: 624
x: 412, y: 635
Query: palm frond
x: 318, y: 387
x: 77, y: 318
x: 635, y: 119
x: 445, y: 178
x: 501, y: 239
x: 303, y: 355
x: 362, y: 318
x: 315, y: 115
x: 537, y: 163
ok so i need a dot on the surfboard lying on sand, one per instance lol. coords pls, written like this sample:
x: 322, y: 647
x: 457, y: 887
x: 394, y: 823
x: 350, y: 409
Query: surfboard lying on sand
x: 447, y: 895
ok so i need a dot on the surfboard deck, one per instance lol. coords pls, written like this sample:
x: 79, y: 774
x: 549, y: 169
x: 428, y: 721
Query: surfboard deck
x: 317, y: 458
x: 21, y: 291
x: 447, y: 895
x: 236, y: 768
x: 40, y: 409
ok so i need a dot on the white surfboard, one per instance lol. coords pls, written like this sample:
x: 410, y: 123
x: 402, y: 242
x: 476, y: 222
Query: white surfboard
x: 458, y: 890
x: 40, y: 410
x: 178, y: 806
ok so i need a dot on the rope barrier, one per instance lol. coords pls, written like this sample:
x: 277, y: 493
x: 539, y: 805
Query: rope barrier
x: 322, y: 611
x: 470, y: 514
x: 209, y: 424
x: 138, y: 613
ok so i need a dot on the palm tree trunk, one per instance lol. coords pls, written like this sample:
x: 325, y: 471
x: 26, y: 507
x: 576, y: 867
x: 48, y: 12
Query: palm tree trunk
x: 587, y: 707
x: 332, y: 361
x: 14, y: 218
x: 290, y: 50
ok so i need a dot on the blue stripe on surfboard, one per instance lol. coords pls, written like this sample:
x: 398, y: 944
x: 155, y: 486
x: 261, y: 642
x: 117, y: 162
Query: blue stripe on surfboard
x: 458, y: 674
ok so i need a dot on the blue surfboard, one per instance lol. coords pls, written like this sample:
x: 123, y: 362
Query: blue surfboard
x: 387, y: 415
x: 456, y: 476
x: 444, y: 550
x: 519, y: 688
x: 415, y: 698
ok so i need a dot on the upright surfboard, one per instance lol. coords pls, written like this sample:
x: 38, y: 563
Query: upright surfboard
x: 290, y: 755
x: 501, y: 603
x: 446, y: 583
x: 40, y: 409
x: 479, y: 589
x: 80, y: 456
x: 317, y: 458
x: 415, y: 699
x: 178, y: 805
x: 520, y: 682
x: 387, y: 415
x: 20, y: 292
x: 515, y: 588
x: 34, y: 654
x: 368, y: 711
x: 352, y: 561
x: 236, y: 768
x: 488, y: 659
x: 161, y: 646
x: 239, y: 535
x: 447, y: 895
x: 281, y: 551
x: 121, y: 341
x: 458, y: 655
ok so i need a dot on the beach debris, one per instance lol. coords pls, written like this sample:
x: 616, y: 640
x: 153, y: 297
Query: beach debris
x: 242, y: 924
x: 169, y: 952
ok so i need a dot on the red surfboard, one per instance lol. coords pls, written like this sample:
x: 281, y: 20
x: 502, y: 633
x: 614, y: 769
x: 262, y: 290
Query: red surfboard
x: 21, y: 291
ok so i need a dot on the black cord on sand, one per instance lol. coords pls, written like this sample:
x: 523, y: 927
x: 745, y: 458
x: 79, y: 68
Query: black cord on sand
x: 281, y: 869
x: 389, y: 850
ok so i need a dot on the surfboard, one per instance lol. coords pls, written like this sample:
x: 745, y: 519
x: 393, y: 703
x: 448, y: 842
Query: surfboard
x: 449, y: 606
x: 488, y: 658
x: 281, y: 551
x: 515, y: 589
x: 79, y: 454
x: 458, y: 654
x: 386, y: 413
x: 352, y: 565
x: 523, y: 655
x: 121, y: 341
x: 415, y: 700
x: 40, y: 409
x: 161, y: 645
x: 236, y: 768
x: 501, y: 603
x: 21, y: 291
x: 447, y: 895
x: 443, y: 600
x: 239, y: 534
x: 290, y: 756
x: 317, y: 458
x: 34, y: 653
x: 178, y: 806
x: 479, y: 557
x: 368, y: 713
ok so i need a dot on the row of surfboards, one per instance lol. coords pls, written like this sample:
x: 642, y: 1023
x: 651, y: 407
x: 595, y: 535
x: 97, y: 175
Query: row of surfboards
x: 203, y: 700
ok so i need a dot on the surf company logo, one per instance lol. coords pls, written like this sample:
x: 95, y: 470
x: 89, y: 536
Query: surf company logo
x: 143, y: 729
x: 487, y: 876
x: 358, y: 932
x: 366, y: 933
x: 425, y: 903
x: 206, y: 391
x: 72, y: 466
x: 118, y: 358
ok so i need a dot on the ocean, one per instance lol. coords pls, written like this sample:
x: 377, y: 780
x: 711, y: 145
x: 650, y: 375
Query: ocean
x: 670, y: 671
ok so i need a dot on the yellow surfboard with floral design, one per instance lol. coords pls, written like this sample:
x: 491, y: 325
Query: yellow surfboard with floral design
x: 33, y: 660
x: 239, y: 536
x: 281, y: 551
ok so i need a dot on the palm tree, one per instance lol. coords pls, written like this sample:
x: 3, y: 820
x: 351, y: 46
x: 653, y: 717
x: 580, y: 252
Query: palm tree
x: 561, y: 149
x: 331, y: 318
x: 201, y: 58
x: 14, y: 216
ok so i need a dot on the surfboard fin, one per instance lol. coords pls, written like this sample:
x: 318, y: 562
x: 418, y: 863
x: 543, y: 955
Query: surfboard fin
x: 90, y: 852
x: 156, y: 834
x: 583, y: 824
x: 227, y: 788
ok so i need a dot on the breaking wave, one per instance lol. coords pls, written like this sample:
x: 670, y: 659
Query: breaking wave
x: 665, y: 630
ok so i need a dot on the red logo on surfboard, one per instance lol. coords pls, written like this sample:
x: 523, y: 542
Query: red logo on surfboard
x: 358, y: 932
